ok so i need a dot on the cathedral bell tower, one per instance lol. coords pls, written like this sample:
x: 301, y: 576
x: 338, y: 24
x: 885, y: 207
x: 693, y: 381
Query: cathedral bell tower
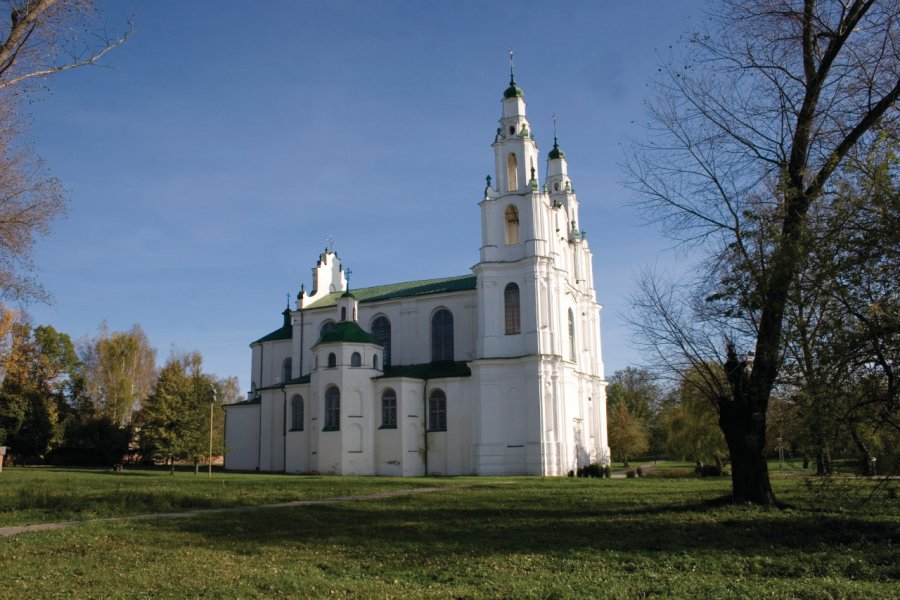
x: 509, y: 219
x: 514, y: 217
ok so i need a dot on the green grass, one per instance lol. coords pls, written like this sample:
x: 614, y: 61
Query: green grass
x: 41, y: 494
x: 531, y: 538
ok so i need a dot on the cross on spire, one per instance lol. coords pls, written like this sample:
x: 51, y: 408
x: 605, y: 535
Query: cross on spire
x: 512, y: 74
x: 347, y: 273
x: 554, y: 129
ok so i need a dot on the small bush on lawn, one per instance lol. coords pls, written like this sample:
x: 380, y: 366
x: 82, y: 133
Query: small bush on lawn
x: 640, y: 472
x: 709, y: 471
x: 631, y: 474
x: 607, y: 472
x: 591, y: 470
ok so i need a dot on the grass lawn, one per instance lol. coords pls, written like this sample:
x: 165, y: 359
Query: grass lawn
x: 501, y: 538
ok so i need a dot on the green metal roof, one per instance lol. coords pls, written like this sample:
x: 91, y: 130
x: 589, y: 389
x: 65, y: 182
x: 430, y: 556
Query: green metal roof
x: 277, y: 386
x: 402, y: 290
x: 347, y: 331
x: 434, y: 370
x: 285, y: 332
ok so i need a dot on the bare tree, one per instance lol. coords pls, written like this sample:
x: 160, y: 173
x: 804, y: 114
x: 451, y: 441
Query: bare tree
x: 42, y: 37
x: 748, y: 130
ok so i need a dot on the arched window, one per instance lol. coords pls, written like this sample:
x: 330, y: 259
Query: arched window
x: 512, y: 172
x: 286, y: 369
x: 355, y: 360
x: 511, y: 225
x: 332, y: 360
x: 326, y: 327
x: 388, y: 409
x: 343, y: 313
x: 437, y: 411
x: 374, y: 361
x: 511, y: 309
x: 332, y: 409
x: 442, y: 335
x: 571, y: 335
x: 381, y: 329
x: 297, y: 413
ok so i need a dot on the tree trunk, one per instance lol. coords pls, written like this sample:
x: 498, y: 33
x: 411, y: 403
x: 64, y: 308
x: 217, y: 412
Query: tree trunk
x: 864, y: 452
x: 823, y: 462
x: 746, y: 437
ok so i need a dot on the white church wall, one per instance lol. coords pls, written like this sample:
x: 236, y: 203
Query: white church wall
x: 242, y: 435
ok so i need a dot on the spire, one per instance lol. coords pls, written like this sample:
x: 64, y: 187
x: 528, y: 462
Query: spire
x: 556, y: 152
x: 513, y: 90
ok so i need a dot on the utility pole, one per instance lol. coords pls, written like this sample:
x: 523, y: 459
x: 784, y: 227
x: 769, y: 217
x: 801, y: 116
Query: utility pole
x: 212, y: 404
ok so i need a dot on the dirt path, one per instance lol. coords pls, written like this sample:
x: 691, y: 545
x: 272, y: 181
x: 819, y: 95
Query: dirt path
x: 17, y: 529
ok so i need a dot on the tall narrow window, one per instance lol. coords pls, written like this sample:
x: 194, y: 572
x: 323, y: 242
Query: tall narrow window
x: 332, y: 409
x: 286, y: 369
x: 511, y: 225
x: 571, y: 335
x: 326, y: 327
x: 343, y: 313
x: 381, y: 329
x: 512, y: 172
x: 442, y: 335
x: 355, y: 360
x: 389, y: 409
x: 297, y: 413
x: 511, y: 309
x: 332, y: 360
x: 437, y: 411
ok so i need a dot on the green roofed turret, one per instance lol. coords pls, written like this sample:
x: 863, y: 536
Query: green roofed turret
x: 347, y: 331
x: 556, y: 152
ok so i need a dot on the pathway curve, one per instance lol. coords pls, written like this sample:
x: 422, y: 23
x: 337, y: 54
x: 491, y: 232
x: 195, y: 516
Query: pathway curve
x: 17, y: 529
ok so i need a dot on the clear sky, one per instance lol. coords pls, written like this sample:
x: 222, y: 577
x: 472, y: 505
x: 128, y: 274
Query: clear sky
x: 208, y: 165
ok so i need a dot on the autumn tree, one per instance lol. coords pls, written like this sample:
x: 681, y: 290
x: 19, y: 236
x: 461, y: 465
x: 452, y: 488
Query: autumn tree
x: 628, y: 436
x: 35, y: 389
x: 750, y: 128
x: 637, y: 390
x: 119, y: 370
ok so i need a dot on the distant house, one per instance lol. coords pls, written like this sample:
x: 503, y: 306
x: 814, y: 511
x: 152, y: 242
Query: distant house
x: 498, y: 372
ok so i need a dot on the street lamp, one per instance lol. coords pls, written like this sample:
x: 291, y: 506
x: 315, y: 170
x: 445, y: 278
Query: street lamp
x: 212, y: 404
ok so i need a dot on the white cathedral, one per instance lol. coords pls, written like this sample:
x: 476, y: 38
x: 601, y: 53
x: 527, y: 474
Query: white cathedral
x: 494, y: 373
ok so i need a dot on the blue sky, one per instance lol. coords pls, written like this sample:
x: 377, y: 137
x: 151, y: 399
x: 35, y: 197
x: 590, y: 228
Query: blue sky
x: 211, y: 158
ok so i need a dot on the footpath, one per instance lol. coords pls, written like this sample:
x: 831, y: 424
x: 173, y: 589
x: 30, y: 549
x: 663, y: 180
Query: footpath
x: 17, y: 529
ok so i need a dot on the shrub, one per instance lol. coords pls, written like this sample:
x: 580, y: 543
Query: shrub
x: 571, y: 473
x: 631, y: 474
x: 607, y: 472
x: 640, y: 472
x: 709, y: 471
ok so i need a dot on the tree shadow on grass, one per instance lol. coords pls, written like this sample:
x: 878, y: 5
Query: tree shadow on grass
x: 437, y: 530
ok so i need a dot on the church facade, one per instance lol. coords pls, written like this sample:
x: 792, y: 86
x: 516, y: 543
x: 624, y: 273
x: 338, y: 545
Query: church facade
x: 496, y: 372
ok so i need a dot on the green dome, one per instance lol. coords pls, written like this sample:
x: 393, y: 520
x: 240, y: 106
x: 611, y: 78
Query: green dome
x: 348, y: 294
x: 347, y: 331
x: 556, y: 152
x: 513, y: 91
